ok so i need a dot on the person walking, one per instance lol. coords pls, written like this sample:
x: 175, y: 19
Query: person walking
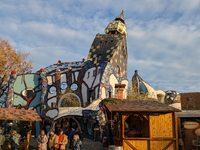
x: 51, y: 137
x: 60, y: 141
x: 42, y: 141
x: 15, y: 137
x: 76, y: 142
x: 2, y: 138
x: 71, y: 135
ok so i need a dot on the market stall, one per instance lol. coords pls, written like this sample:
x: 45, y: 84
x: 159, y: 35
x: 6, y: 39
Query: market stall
x: 20, y: 115
x: 144, y: 124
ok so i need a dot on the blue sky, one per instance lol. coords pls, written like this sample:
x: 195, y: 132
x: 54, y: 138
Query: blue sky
x: 163, y: 36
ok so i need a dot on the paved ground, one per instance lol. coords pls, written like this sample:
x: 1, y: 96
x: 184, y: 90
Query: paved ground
x: 87, y: 145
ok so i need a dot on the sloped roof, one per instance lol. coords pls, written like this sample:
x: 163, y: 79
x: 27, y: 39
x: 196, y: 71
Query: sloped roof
x: 51, y: 70
x: 141, y: 106
x: 190, y: 100
x: 19, y: 114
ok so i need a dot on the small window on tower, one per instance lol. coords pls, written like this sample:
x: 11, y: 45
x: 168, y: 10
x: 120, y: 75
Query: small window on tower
x: 88, y: 74
x: 100, y: 43
x: 111, y: 41
x: 99, y: 57
x: 118, y: 69
x: 105, y: 43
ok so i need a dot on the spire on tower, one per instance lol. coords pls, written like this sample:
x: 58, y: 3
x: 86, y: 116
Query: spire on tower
x: 117, y: 26
x: 121, y: 17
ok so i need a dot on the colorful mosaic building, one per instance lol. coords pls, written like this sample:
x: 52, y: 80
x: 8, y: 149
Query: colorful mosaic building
x: 69, y: 93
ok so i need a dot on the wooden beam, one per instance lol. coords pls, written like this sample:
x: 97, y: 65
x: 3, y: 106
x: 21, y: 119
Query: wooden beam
x: 163, y: 139
x: 168, y: 145
x: 130, y: 145
x: 149, y: 142
x: 176, y: 130
x: 123, y: 119
x: 108, y: 107
x: 179, y: 128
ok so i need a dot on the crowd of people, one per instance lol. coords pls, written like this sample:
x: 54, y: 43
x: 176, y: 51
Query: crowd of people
x: 53, y: 141
x: 14, y: 139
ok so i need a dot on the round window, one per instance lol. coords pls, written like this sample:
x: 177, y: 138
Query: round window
x: 63, y: 85
x: 28, y: 93
x: 74, y: 87
x: 52, y: 89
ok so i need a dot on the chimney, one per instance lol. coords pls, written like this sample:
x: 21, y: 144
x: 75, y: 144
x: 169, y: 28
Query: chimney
x: 120, y: 89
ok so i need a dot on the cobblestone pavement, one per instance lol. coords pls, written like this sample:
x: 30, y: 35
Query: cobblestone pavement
x: 91, y: 145
x: 87, y: 145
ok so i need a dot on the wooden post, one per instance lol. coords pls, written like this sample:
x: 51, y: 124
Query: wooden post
x: 179, y: 129
x: 176, y: 130
x: 121, y: 140
x: 123, y: 116
x: 111, y: 119
x: 149, y: 141
x: 28, y: 137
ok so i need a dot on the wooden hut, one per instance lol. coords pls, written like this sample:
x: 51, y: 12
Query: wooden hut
x: 20, y: 115
x: 155, y: 125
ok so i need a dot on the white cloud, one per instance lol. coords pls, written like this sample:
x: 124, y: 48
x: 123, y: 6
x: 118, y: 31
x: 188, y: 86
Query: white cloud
x: 163, y: 36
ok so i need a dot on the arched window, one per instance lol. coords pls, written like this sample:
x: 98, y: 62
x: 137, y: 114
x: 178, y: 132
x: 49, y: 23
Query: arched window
x: 88, y: 74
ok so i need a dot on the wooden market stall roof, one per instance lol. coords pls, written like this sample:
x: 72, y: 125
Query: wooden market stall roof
x: 141, y: 106
x: 19, y: 114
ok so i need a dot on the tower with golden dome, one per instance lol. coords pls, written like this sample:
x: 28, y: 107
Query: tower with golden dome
x: 111, y: 47
x: 117, y: 26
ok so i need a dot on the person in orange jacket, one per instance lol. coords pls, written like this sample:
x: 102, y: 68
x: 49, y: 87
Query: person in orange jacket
x: 60, y: 141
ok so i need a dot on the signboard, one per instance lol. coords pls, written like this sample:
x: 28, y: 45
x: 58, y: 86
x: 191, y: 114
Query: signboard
x: 190, y: 125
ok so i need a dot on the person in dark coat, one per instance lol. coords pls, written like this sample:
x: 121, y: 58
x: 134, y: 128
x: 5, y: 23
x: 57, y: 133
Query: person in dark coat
x: 71, y: 135
x: 80, y: 133
x: 110, y: 136
x: 22, y: 133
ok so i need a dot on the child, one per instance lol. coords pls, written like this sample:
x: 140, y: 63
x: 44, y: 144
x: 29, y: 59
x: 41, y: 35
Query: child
x: 76, y: 143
